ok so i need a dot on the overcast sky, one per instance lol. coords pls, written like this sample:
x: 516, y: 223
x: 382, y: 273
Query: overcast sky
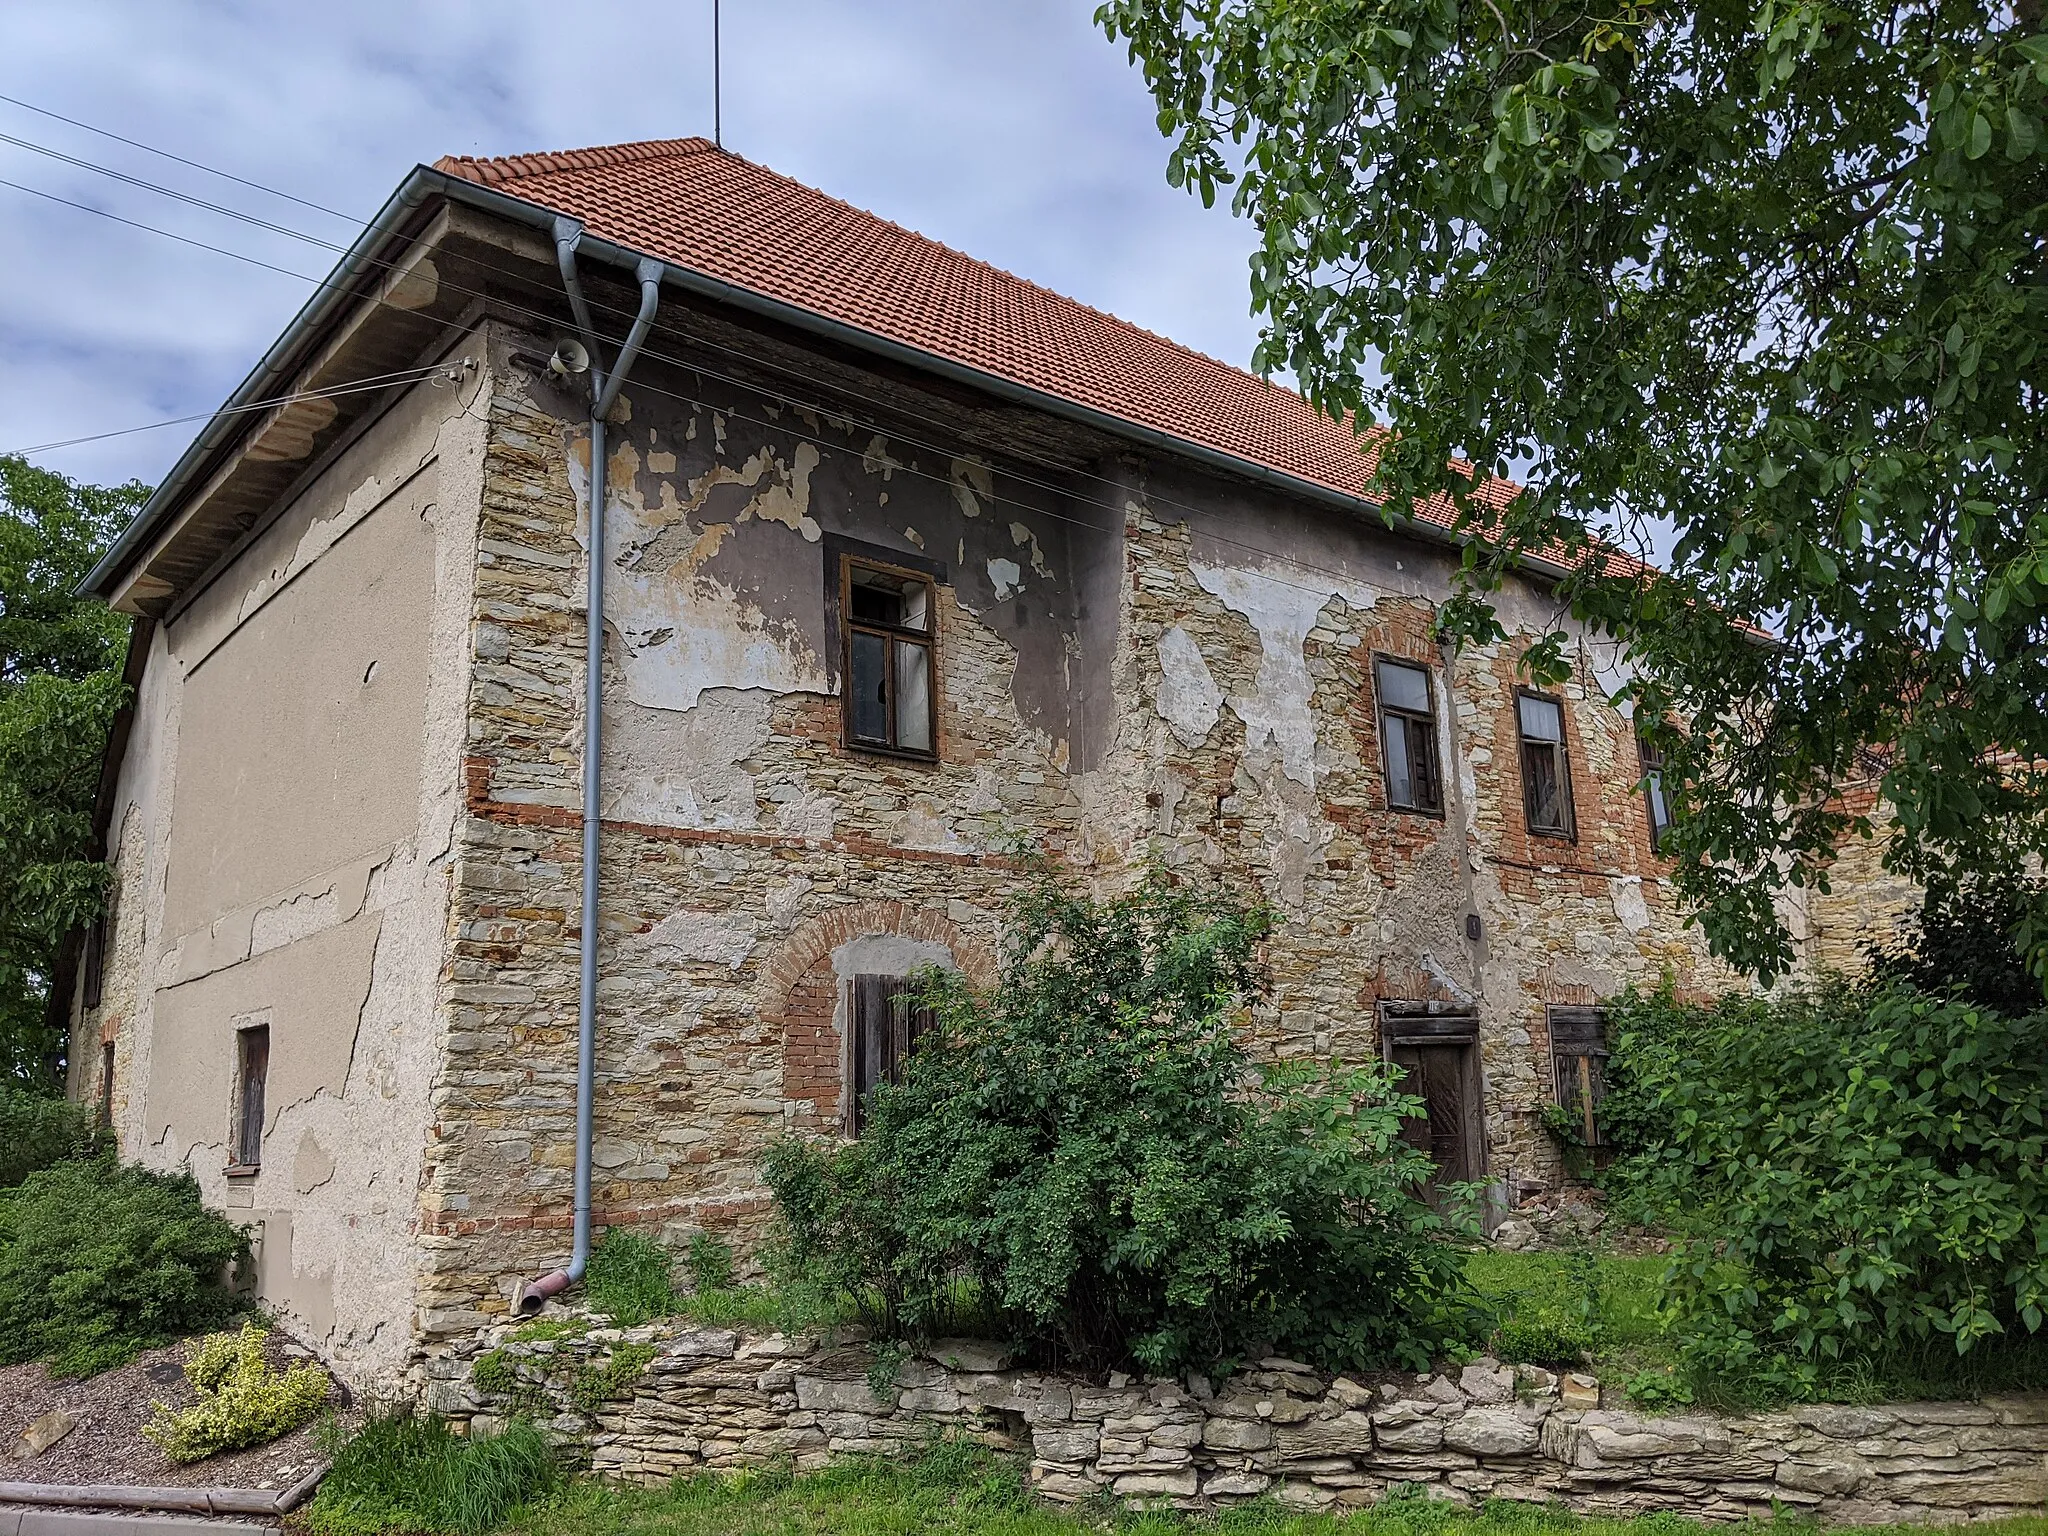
x: 1008, y: 128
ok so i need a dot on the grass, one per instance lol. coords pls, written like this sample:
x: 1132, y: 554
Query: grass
x: 405, y: 1474
x: 960, y: 1489
x: 1597, y: 1309
x: 1601, y: 1311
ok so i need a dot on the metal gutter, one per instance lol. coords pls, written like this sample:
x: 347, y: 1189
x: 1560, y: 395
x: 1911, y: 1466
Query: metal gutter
x: 604, y: 392
x: 425, y: 182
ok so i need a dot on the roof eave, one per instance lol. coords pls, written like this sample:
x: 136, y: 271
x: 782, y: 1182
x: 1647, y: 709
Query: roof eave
x: 425, y: 182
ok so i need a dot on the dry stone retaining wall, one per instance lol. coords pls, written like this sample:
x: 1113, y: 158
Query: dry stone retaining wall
x: 713, y: 1398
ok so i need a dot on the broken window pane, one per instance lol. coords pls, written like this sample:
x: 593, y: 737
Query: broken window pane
x: 1546, y: 782
x: 1408, y: 726
x: 869, y: 688
x: 913, y: 696
x: 1400, y: 781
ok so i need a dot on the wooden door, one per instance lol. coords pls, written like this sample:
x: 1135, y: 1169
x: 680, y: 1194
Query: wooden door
x: 1438, y: 1075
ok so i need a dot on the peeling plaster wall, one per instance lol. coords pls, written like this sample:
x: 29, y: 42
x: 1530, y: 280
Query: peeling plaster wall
x: 1140, y: 666
x: 1132, y: 661
x: 285, y: 811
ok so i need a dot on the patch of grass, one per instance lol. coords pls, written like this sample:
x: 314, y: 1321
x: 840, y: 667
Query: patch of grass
x: 710, y: 1263
x: 1575, y: 1308
x: 630, y: 1279
x: 548, y: 1329
x: 399, y: 1473
x: 959, y: 1488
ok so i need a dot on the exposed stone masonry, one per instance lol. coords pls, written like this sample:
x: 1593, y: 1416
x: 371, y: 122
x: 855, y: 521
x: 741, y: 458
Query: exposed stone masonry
x: 713, y: 1398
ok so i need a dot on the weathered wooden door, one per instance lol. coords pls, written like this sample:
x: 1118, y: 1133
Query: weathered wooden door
x: 1436, y: 1074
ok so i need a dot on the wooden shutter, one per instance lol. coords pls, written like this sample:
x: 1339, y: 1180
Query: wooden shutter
x: 1578, y: 1050
x: 883, y: 1024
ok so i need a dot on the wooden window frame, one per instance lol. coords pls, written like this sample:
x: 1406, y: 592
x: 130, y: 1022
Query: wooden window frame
x: 1436, y: 764
x: 245, y: 1158
x: 907, y: 1025
x: 106, y: 1085
x: 1650, y: 757
x: 1569, y: 833
x: 889, y: 634
x: 95, y: 963
x: 1578, y: 1035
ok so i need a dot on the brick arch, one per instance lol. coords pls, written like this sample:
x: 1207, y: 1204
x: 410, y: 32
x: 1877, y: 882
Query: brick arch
x: 816, y: 937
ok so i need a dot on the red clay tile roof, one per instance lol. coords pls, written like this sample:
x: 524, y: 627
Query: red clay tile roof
x: 691, y: 203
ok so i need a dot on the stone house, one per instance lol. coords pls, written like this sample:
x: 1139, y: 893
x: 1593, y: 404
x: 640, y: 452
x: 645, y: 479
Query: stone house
x: 903, y: 559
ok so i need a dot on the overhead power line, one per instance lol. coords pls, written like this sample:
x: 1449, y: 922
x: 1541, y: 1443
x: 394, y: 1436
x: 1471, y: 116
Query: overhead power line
x: 890, y: 408
x: 211, y: 170
x: 352, y: 387
x: 183, y: 197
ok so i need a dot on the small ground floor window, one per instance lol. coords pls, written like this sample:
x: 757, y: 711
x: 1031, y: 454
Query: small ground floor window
x: 883, y: 1022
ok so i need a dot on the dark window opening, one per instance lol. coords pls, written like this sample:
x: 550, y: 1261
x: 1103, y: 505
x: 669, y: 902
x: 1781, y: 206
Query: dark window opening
x: 887, y: 616
x: 1546, y: 770
x: 884, y: 1022
x: 252, y: 1066
x: 1652, y: 757
x: 1578, y: 1055
x: 107, y: 1084
x: 1438, y: 1052
x: 95, y: 959
x: 1408, y: 738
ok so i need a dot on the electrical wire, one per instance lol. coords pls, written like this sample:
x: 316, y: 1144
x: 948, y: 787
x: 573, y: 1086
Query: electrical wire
x: 211, y: 170
x: 217, y: 250
x: 183, y: 197
x: 753, y: 386
x: 352, y: 387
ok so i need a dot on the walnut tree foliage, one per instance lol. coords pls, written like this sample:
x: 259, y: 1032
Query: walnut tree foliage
x: 1761, y: 279
x: 60, y: 683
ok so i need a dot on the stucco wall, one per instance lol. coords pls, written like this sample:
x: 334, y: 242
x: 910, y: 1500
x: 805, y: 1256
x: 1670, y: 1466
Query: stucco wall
x: 1130, y: 666
x: 283, y: 817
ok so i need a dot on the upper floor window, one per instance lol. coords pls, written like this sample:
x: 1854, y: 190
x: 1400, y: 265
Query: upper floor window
x: 1652, y: 757
x: 886, y: 622
x: 1546, y: 771
x: 1408, y: 737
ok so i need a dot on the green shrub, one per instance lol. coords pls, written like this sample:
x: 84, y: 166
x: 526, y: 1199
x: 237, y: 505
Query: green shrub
x: 1087, y: 1155
x: 399, y: 1473
x: 37, y: 1130
x: 1866, y: 1179
x: 628, y: 1279
x: 1544, y: 1336
x: 1966, y: 938
x: 99, y: 1262
x: 242, y: 1401
x: 710, y: 1263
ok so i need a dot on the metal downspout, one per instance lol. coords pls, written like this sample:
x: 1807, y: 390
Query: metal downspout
x: 604, y: 390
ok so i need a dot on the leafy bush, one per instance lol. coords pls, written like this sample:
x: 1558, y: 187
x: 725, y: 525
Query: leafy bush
x: 37, y: 1130
x: 1087, y: 1155
x: 99, y: 1262
x: 401, y: 1473
x: 1966, y: 938
x: 628, y: 1278
x: 710, y: 1263
x: 242, y: 1402
x: 1866, y: 1173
